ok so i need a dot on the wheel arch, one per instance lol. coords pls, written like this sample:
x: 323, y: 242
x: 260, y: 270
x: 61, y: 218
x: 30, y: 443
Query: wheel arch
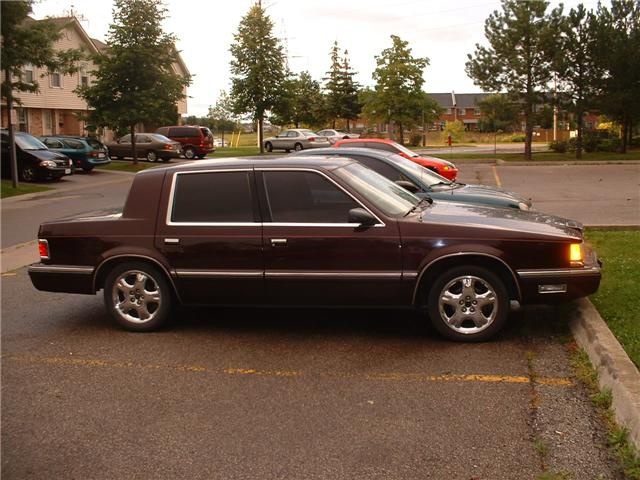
x: 108, y: 264
x: 436, y: 267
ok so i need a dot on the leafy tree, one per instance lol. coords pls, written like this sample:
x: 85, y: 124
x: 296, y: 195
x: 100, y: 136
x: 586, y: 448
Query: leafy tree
x: 221, y: 116
x: 617, y: 48
x: 257, y: 67
x: 135, y: 81
x: 341, y: 88
x: 518, y: 59
x: 398, y: 96
x: 575, y: 63
x: 455, y: 129
x: 301, y: 102
x: 498, y: 113
x: 25, y: 41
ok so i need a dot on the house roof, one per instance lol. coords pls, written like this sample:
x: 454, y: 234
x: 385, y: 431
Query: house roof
x: 458, y: 100
x: 72, y: 22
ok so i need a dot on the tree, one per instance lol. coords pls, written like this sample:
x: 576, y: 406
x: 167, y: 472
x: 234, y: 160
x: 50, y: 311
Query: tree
x: 518, y: 59
x: 257, y: 67
x: 577, y: 70
x: 135, y: 81
x: 301, y: 102
x: 617, y: 48
x: 341, y: 88
x: 221, y: 115
x: 25, y: 41
x: 398, y: 96
x: 498, y: 113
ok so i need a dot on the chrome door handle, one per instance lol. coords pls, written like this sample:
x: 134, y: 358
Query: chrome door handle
x: 278, y: 242
x: 171, y: 241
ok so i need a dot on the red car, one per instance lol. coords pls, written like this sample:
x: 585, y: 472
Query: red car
x: 438, y: 165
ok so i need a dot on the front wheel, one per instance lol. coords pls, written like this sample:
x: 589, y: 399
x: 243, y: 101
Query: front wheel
x: 137, y: 296
x: 268, y: 147
x: 297, y: 147
x: 151, y: 156
x: 468, y: 304
x: 28, y: 173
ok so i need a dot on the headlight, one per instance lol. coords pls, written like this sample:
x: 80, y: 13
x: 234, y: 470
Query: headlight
x: 48, y: 164
x: 523, y: 206
x: 576, y: 255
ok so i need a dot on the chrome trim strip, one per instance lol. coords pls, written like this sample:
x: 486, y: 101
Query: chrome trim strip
x: 60, y: 269
x: 513, y: 275
x: 342, y: 275
x: 409, y: 275
x: 559, y: 272
x: 219, y: 273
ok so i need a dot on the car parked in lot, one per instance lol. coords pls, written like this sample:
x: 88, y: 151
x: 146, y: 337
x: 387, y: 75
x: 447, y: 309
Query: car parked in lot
x: 85, y: 152
x: 311, y: 231
x: 438, y: 165
x: 335, y: 135
x: 196, y: 141
x: 151, y: 146
x: 424, y: 182
x: 296, y: 139
x: 34, y: 160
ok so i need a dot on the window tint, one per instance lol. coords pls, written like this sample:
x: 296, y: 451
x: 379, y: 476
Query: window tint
x: 125, y: 139
x: 212, y: 197
x: 381, y: 146
x: 75, y: 144
x: 95, y: 144
x: 185, y: 132
x: 381, y: 167
x: 305, y: 197
x: 53, y: 143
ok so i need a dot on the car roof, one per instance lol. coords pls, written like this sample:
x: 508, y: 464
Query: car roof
x: 371, y: 152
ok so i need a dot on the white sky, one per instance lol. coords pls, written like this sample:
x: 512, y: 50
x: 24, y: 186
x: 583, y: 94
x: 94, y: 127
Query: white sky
x: 444, y: 31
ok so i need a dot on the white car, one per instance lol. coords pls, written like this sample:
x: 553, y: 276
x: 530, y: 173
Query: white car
x: 296, y: 139
x: 218, y: 142
x: 335, y: 135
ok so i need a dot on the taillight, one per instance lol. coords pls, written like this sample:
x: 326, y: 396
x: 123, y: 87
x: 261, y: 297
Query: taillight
x: 312, y: 139
x: 168, y: 146
x: 43, y: 249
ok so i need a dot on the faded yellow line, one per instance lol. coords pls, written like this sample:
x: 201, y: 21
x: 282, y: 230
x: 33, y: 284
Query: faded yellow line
x: 389, y: 377
x: 496, y: 176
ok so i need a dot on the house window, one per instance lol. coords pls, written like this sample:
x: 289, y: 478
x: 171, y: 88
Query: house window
x: 56, y: 79
x: 447, y: 111
x: 28, y: 73
x: 23, y: 119
x: 461, y: 111
x: 84, y: 78
x: 476, y: 112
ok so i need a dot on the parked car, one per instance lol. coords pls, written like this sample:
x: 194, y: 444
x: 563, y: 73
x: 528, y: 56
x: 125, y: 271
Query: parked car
x: 296, y: 139
x: 218, y: 142
x: 196, y: 141
x: 34, y: 160
x: 85, y: 152
x: 151, y: 146
x: 424, y: 182
x: 335, y: 135
x: 311, y: 231
x: 438, y: 165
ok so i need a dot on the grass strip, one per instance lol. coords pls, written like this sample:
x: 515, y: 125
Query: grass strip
x: 7, y: 189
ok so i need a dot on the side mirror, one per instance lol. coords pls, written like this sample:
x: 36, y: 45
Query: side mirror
x: 407, y: 186
x: 362, y: 217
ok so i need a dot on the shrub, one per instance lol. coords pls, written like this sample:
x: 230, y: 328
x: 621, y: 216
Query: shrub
x: 558, y: 146
x: 518, y: 138
x: 415, y: 139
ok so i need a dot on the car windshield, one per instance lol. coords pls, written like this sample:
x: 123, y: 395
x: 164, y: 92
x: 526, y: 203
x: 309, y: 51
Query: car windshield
x: 206, y: 132
x: 29, y: 142
x: 429, y: 177
x: 405, y: 150
x: 308, y: 133
x: 392, y: 199
x: 160, y: 138
x: 95, y: 143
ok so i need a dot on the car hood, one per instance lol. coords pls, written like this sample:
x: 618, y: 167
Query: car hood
x: 493, y: 218
x: 481, y: 194
x: 47, y: 155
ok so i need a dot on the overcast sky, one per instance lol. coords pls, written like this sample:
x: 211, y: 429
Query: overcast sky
x: 444, y: 31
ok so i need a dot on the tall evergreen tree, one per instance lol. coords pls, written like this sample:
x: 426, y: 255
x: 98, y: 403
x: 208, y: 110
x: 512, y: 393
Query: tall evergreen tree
x: 341, y: 88
x: 301, y: 102
x: 618, y: 54
x: 518, y: 59
x: 25, y: 41
x: 135, y: 81
x: 398, y: 96
x: 575, y: 64
x: 258, y: 67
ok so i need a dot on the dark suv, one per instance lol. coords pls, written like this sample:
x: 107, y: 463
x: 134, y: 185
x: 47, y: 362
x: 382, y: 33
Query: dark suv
x: 196, y: 141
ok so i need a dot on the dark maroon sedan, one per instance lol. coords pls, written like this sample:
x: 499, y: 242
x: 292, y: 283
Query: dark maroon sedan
x: 309, y: 231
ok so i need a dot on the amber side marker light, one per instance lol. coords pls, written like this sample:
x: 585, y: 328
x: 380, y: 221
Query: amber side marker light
x: 43, y: 249
x: 575, y: 255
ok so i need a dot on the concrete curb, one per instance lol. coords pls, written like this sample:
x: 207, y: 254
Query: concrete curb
x: 18, y: 256
x: 616, y: 370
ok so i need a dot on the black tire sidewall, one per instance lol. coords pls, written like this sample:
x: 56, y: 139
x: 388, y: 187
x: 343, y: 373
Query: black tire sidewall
x: 492, y: 279
x: 166, y: 295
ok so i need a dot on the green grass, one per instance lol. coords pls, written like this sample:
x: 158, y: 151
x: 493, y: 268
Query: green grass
x: 616, y: 299
x: 7, y: 189
x: 544, y: 156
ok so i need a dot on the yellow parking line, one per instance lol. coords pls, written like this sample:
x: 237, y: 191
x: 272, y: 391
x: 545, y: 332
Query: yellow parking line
x: 496, y: 176
x: 389, y: 377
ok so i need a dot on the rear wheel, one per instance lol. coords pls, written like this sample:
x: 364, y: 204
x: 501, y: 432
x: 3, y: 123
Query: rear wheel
x: 151, y: 156
x: 297, y: 147
x: 189, y: 153
x: 268, y: 147
x: 137, y: 296
x: 468, y: 304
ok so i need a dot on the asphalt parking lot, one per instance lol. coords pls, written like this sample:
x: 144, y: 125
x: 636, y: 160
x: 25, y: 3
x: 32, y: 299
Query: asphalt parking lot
x: 296, y: 393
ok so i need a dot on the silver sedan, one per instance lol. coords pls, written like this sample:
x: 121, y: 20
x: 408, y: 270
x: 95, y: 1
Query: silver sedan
x: 296, y: 139
x: 335, y: 135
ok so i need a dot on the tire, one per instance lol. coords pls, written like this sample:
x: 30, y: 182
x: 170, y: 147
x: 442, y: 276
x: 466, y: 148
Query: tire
x: 28, y: 173
x: 468, y: 304
x: 87, y: 169
x: 189, y: 153
x: 268, y: 147
x: 297, y: 147
x: 151, y: 156
x: 137, y: 296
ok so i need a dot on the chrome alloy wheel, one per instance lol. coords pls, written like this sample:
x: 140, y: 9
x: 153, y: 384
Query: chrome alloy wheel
x: 136, y: 296
x: 468, y: 304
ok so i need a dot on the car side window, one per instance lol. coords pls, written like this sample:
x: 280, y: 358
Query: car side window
x: 53, y: 143
x: 305, y: 197
x: 125, y: 139
x: 212, y: 197
x: 381, y: 167
x: 75, y: 144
